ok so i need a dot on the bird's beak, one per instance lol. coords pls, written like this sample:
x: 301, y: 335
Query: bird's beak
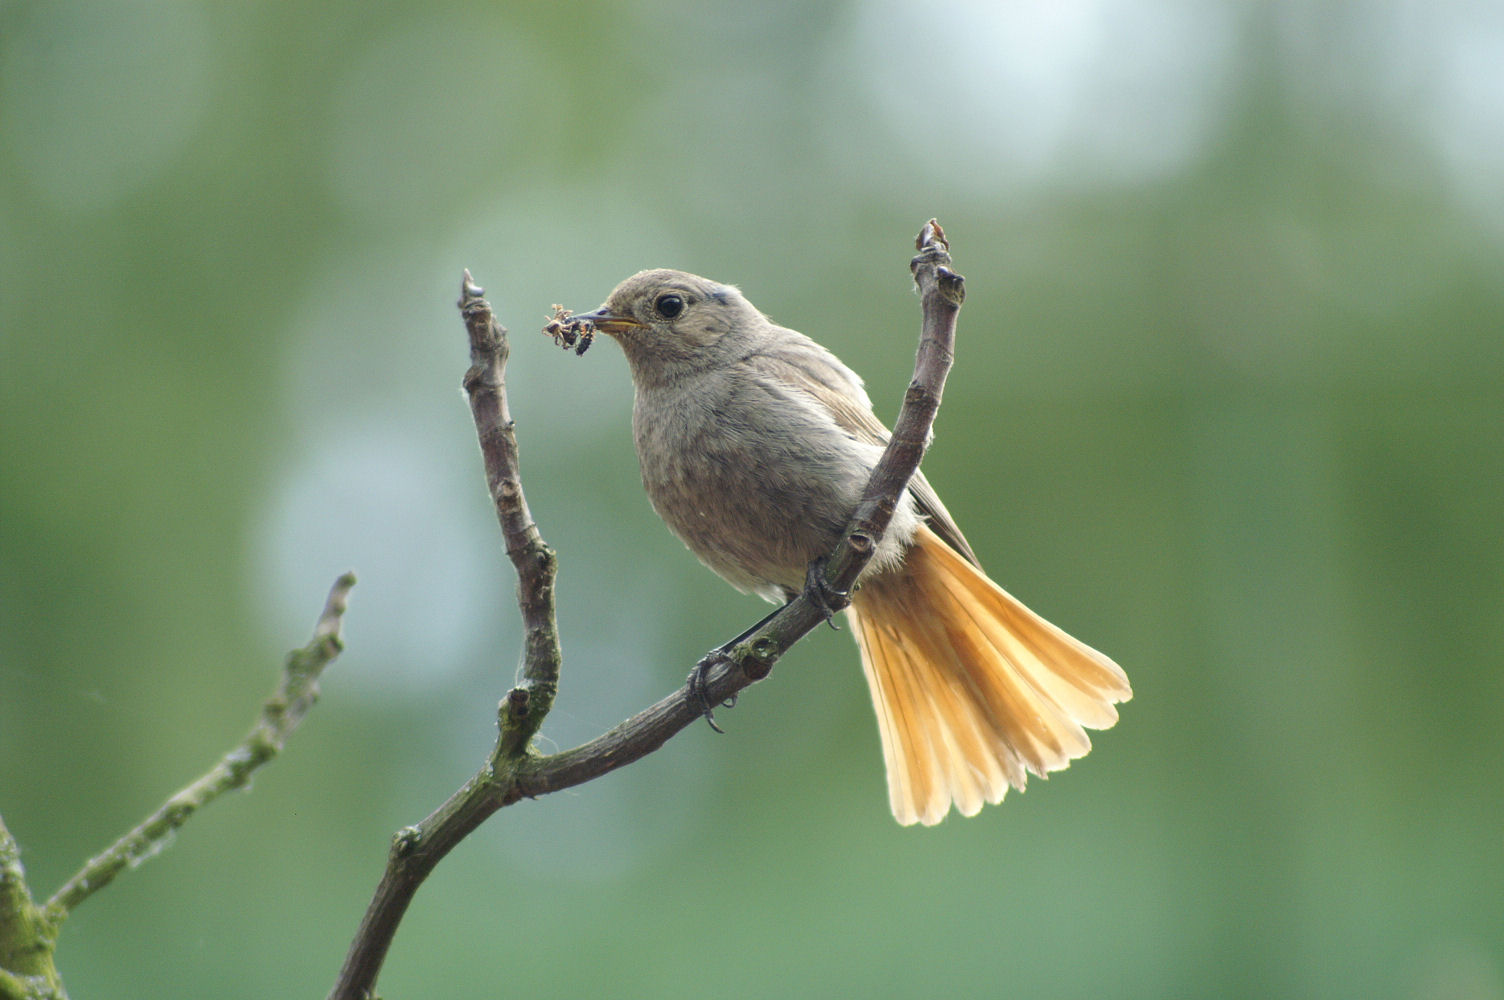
x: 606, y: 321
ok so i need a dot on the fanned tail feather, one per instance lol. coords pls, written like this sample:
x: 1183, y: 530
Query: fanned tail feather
x: 973, y: 691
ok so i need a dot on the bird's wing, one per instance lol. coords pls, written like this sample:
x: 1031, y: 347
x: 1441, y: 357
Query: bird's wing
x: 806, y: 366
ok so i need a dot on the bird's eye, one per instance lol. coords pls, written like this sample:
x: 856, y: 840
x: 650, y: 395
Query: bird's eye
x: 669, y: 305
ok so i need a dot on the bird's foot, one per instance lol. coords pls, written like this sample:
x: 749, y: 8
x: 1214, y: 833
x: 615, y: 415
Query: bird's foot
x: 699, y: 692
x: 826, y: 599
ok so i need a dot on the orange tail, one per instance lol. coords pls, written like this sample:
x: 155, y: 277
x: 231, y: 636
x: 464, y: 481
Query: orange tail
x: 972, y: 689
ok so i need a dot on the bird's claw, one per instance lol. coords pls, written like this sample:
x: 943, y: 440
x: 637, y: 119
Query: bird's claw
x: 699, y: 692
x: 826, y: 599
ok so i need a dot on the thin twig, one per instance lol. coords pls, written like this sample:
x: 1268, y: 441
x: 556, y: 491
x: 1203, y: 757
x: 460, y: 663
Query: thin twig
x: 514, y: 771
x: 280, y: 715
x: 485, y: 384
x: 416, y: 850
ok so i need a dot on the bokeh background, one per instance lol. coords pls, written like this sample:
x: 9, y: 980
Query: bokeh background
x: 1228, y: 406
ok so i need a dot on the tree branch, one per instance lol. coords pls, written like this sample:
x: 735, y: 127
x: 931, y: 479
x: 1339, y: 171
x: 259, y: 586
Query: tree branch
x: 513, y: 770
x: 27, y: 938
x: 280, y: 715
x: 534, y: 561
x: 416, y: 850
x: 28, y: 932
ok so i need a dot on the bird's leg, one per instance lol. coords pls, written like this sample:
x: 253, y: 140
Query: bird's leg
x: 721, y: 654
x: 696, y: 685
x: 826, y: 599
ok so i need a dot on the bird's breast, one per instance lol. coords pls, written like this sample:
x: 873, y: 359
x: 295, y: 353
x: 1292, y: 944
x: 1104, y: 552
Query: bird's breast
x: 752, y: 484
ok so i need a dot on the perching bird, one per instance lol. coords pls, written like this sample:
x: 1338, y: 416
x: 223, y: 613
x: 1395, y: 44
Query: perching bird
x: 755, y: 444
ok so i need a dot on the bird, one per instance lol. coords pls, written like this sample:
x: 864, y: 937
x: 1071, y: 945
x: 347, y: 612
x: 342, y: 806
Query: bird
x: 755, y: 443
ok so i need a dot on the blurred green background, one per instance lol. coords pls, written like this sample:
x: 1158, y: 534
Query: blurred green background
x: 1227, y: 406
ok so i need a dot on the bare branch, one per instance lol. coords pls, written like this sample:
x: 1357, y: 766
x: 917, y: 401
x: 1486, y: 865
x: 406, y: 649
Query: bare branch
x: 415, y: 850
x: 514, y: 771
x: 485, y: 384
x: 280, y: 715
